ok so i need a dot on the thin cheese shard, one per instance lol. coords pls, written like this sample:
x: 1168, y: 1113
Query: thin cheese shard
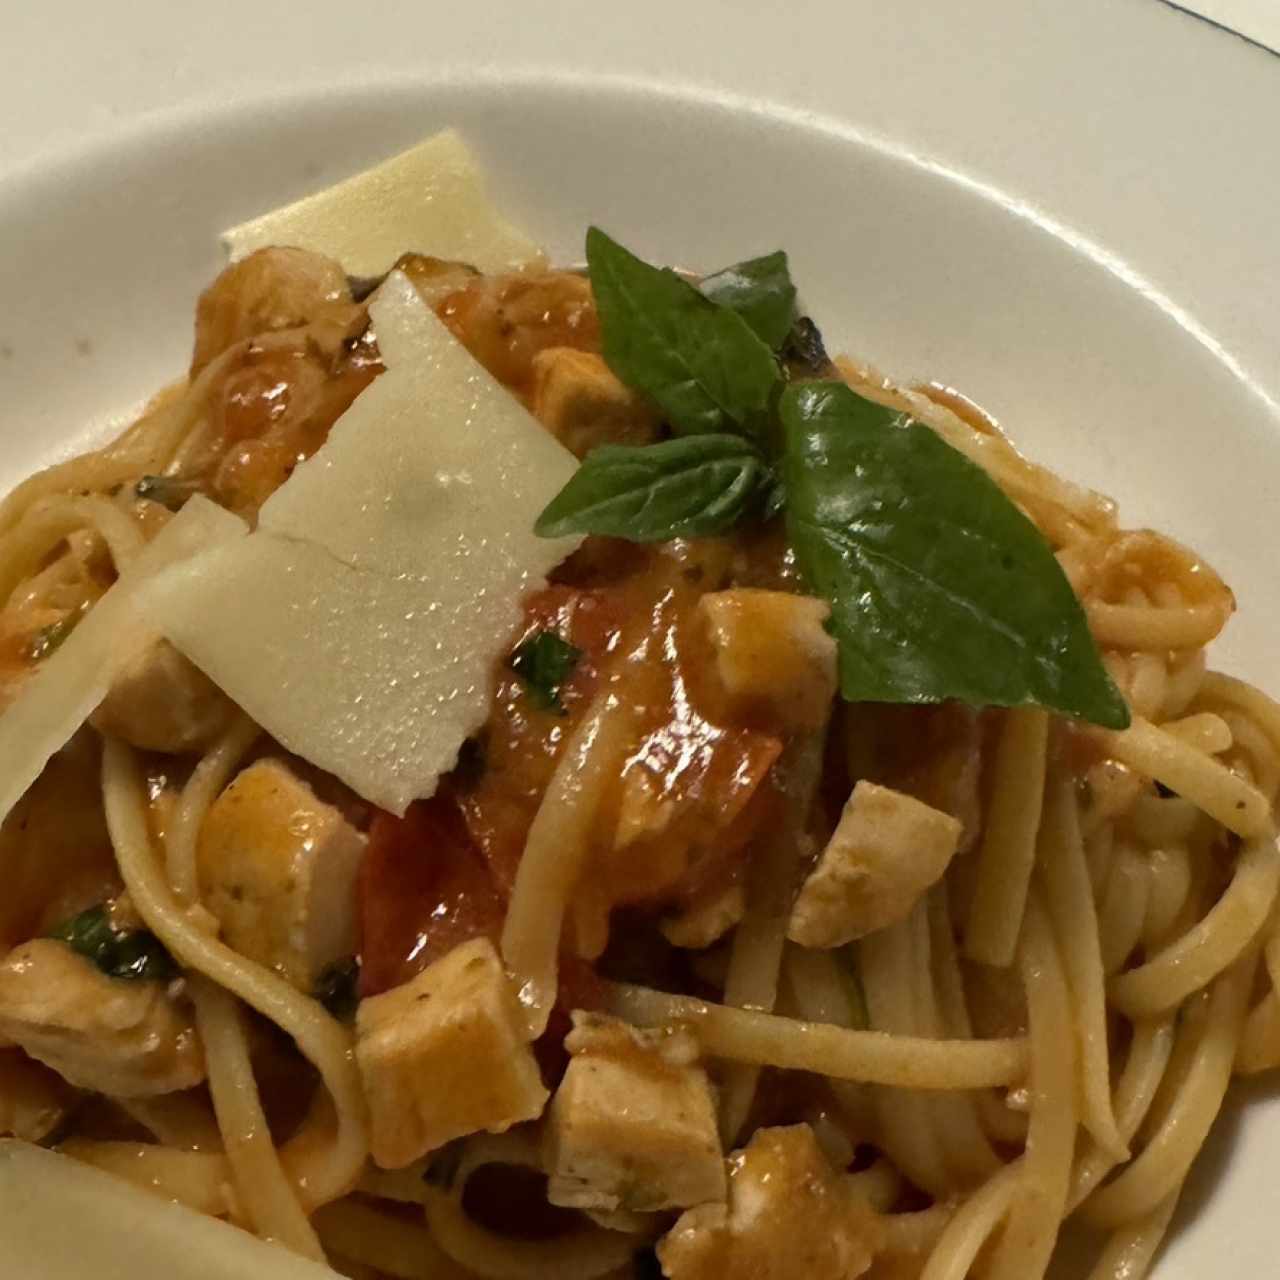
x: 74, y: 679
x: 430, y: 199
x: 361, y: 623
x: 119, y: 1231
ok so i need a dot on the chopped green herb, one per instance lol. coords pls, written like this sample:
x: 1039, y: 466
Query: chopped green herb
x: 132, y: 953
x: 694, y: 487
x: 939, y: 586
x: 700, y: 362
x: 761, y: 292
x: 338, y: 988
x: 544, y: 662
x: 49, y: 639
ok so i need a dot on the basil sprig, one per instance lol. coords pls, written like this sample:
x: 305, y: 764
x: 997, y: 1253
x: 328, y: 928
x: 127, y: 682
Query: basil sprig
x: 939, y: 586
x: 119, y: 953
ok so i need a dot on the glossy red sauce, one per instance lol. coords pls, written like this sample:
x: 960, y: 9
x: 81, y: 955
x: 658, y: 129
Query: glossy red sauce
x: 424, y: 888
x: 677, y: 821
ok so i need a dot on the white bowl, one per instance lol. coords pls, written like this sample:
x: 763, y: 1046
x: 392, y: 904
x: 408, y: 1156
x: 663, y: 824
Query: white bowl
x: 901, y: 261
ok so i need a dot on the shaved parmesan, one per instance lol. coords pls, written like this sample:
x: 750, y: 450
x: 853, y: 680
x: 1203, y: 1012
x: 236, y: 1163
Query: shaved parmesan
x: 120, y: 1231
x: 361, y: 622
x: 430, y: 199
x: 74, y: 679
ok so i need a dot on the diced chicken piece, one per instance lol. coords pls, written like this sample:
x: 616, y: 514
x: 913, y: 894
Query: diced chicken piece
x: 633, y: 1125
x: 270, y: 290
x: 789, y: 1214
x: 33, y: 1099
x: 118, y: 1036
x: 163, y: 702
x: 278, y: 869
x: 773, y: 654
x: 887, y: 849
x: 707, y: 922
x: 579, y: 400
x: 445, y: 1055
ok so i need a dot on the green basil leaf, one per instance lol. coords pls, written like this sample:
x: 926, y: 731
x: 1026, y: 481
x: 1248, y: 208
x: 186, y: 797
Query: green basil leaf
x: 89, y: 933
x: 139, y: 954
x: 695, y: 487
x: 544, y: 662
x: 701, y: 363
x: 761, y: 292
x: 939, y: 586
x: 131, y: 953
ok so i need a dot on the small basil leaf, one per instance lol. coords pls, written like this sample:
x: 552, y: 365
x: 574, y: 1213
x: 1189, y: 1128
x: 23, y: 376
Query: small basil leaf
x: 140, y: 955
x: 701, y: 363
x: 939, y: 586
x: 761, y: 292
x: 132, y: 953
x: 544, y: 662
x: 691, y: 488
x: 89, y: 933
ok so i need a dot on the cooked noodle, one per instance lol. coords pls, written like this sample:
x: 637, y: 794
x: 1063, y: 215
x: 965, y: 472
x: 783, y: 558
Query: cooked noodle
x: 1046, y: 1034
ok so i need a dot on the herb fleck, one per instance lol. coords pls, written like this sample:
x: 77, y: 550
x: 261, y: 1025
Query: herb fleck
x: 544, y: 662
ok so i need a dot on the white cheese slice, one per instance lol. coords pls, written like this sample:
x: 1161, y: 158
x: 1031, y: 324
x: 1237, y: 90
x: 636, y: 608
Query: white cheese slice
x: 430, y: 199
x: 435, y: 471
x: 118, y: 1231
x: 74, y: 679
x: 361, y: 623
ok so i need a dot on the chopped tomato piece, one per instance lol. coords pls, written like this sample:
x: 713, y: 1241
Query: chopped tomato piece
x: 524, y: 741
x: 424, y: 889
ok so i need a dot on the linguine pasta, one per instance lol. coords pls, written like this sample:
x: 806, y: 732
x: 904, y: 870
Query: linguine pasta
x: 1039, y: 1039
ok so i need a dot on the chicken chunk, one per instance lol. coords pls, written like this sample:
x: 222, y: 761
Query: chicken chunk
x: 33, y: 1099
x: 445, y: 1055
x: 789, y: 1214
x: 124, y: 1037
x: 278, y: 870
x: 270, y: 290
x: 887, y: 849
x: 163, y: 702
x: 579, y: 400
x: 633, y: 1125
x: 773, y: 654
